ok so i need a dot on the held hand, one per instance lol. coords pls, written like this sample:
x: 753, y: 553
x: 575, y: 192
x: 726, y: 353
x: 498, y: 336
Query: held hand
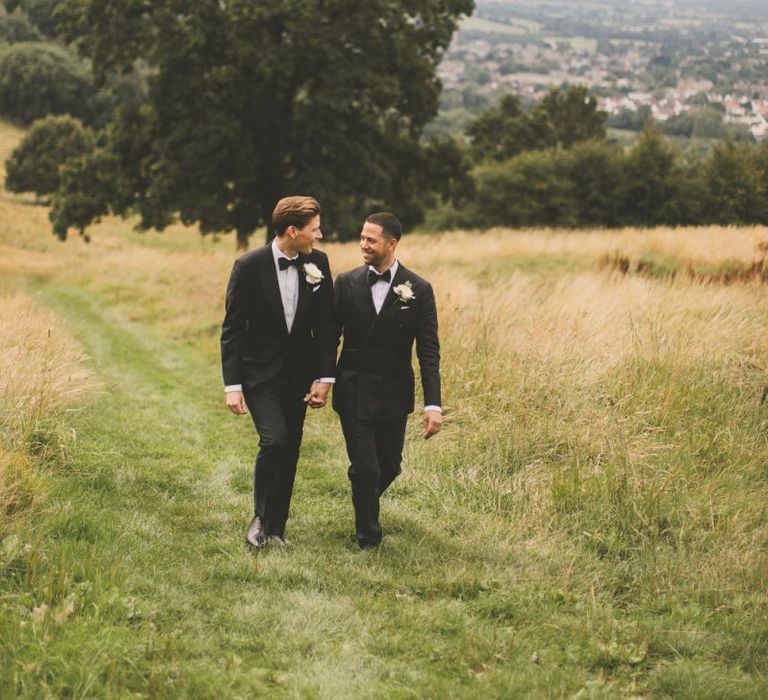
x: 236, y: 403
x: 433, y: 421
x: 318, y: 394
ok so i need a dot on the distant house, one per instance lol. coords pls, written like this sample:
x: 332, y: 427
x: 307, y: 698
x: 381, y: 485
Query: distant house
x: 759, y: 127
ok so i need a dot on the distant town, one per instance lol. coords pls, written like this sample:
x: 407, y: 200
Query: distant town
x: 665, y: 60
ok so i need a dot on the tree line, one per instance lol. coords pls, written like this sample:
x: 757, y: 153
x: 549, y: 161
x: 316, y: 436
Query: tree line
x: 208, y: 112
x: 554, y: 165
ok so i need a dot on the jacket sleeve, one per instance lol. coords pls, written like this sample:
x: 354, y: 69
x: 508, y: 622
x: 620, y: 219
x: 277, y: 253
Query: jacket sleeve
x: 338, y: 321
x: 233, y: 329
x: 428, y: 348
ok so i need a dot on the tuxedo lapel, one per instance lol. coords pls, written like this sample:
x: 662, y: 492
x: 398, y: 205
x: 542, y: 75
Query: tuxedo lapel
x: 269, y: 285
x: 388, y: 300
x: 362, y: 294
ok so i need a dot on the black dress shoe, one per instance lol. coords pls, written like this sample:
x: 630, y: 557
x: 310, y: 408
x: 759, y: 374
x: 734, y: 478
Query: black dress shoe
x: 256, y: 537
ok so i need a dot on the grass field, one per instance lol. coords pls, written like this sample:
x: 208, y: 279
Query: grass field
x: 591, y: 522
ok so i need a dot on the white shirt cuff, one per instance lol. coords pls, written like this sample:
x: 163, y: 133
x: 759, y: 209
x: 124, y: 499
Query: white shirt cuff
x: 433, y: 408
x: 233, y: 387
x: 327, y: 380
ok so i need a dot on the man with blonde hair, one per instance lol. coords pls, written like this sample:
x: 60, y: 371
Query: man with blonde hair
x: 278, y: 351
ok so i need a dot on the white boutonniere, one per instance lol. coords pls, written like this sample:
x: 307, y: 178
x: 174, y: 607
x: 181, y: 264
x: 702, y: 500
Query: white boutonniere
x: 404, y: 292
x: 312, y: 273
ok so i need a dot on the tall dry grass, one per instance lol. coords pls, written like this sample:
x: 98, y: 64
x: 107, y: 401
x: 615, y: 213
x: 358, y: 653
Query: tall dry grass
x: 696, y: 244
x: 42, y: 377
x: 618, y: 415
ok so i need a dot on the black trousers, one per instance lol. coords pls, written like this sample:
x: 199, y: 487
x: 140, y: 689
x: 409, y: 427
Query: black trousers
x: 277, y: 408
x: 375, y: 451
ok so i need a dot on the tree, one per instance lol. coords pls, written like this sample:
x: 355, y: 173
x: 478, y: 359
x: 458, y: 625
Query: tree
x: 50, y: 143
x: 594, y: 169
x: 531, y: 189
x: 564, y: 117
x: 38, y: 79
x: 87, y: 188
x: 572, y: 114
x: 736, y: 192
x: 630, y: 119
x: 506, y: 130
x: 679, y: 125
x: 648, y: 183
x: 248, y: 102
x: 708, y: 124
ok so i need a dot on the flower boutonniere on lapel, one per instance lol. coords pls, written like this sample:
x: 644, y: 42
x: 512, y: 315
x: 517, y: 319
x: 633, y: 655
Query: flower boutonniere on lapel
x: 312, y: 274
x: 404, y: 292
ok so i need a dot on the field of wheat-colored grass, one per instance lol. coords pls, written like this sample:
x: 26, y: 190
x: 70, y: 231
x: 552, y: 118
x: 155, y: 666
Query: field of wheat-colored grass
x: 42, y: 376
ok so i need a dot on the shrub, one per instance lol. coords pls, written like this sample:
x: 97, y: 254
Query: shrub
x: 34, y: 164
x: 531, y: 189
x: 37, y: 80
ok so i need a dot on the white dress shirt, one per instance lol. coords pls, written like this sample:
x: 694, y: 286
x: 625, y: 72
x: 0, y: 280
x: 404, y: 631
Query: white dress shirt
x: 288, y: 281
x: 380, y: 288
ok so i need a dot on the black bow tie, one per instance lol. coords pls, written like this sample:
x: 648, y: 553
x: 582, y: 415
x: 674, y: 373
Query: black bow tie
x: 285, y: 263
x: 374, y: 277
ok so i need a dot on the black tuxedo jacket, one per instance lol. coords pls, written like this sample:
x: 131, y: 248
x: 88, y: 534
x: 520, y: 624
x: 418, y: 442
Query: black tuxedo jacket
x: 374, y: 377
x: 255, y: 343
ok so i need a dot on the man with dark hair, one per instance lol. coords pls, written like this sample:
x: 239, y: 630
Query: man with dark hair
x: 277, y: 337
x: 381, y: 308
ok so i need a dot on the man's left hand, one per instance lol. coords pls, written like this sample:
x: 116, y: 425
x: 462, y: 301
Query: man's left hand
x: 433, y: 421
x: 318, y: 394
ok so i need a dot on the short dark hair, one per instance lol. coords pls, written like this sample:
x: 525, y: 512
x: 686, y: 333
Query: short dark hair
x: 295, y: 211
x: 389, y: 223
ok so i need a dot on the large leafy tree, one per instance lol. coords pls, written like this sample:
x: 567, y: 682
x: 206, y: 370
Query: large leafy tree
x: 249, y: 101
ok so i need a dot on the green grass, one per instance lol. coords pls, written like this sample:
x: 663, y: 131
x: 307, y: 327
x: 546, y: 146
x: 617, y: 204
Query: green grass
x: 133, y: 579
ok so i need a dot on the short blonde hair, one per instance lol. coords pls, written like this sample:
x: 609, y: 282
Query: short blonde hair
x: 295, y: 211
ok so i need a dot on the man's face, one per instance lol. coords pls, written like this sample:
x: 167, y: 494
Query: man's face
x: 375, y: 245
x: 304, y: 238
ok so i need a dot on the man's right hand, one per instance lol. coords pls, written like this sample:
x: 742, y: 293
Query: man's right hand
x: 236, y: 403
